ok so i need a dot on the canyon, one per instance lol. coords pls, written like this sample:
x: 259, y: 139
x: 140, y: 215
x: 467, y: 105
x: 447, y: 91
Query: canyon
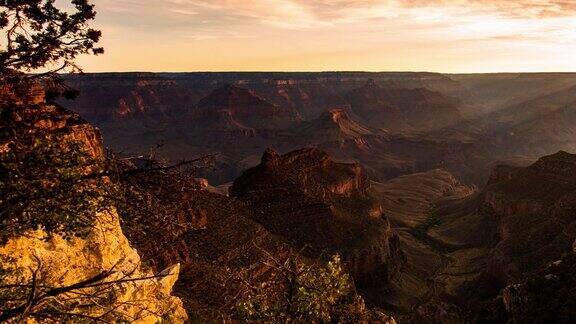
x: 450, y: 198
x: 393, y: 123
x: 431, y: 186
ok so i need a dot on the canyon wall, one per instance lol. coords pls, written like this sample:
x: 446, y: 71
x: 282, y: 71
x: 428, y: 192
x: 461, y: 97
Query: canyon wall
x: 99, y: 263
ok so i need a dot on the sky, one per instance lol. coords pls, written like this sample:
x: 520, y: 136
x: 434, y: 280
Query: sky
x: 452, y: 36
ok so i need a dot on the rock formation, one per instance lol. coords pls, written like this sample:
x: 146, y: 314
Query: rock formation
x: 326, y: 207
x: 245, y: 108
x: 236, y: 116
x: 101, y: 264
x: 534, y: 210
x: 140, y: 111
x: 487, y: 243
x: 139, y: 297
x: 131, y: 96
x: 403, y: 109
x: 334, y: 125
x: 310, y: 94
x: 213, y: 256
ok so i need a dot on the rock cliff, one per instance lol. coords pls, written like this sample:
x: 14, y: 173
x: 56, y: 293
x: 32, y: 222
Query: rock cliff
x: 403, y: 109
x: 517, y: 227
x: 111, y: 95
x: 335, y: 125
x: 534, y: 209
x: 326, y: 207
x: 133, y: 292
x: 99, y: 264
x: 131, y: 96
x: 245, y: 108
x: 34, y: 116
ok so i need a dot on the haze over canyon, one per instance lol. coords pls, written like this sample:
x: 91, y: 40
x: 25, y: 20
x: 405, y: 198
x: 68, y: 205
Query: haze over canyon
x: 442, y: 192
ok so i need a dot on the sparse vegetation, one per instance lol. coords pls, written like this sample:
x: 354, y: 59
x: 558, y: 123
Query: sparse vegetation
x: 299, y: 292
x: 420, y: 232
x: 56, y: 186
x: 154, y: 198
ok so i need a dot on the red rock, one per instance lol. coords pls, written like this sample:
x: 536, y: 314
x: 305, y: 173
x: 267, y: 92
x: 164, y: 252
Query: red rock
x: 246, y: 108
x: 314, y: 202
x: 403, y: 109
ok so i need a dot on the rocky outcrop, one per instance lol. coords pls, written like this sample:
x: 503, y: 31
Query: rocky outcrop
x: 310, y: 169
x: 35, y: 116
x: 376, y: 264
x: 139, y: 295
x: 475, y: 246
x: 120, y: 98
x: 403, y: 109
x: 534, y: 208
x: 246, y: 108
x: 547, y: 296
x: 217, y: 246
x: 95, y: 274
x: 325, y: 206
x: 335, y: 125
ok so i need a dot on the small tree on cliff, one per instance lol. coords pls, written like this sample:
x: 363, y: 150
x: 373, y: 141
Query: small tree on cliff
x: 38, y: 36
x: 42, y: 182
x: 298, y: 291
x: 50, y: 184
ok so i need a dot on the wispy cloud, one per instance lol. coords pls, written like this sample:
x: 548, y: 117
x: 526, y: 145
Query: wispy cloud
x: 511, y: 8
x: 308, y: 14
x: 324, y: 12
x: 184, y: 12
x: 355, y: 34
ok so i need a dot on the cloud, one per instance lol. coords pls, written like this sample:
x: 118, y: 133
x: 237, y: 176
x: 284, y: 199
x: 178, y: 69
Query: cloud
x: 184, y: 12
x: 511, y: 8
x: 288, y: 14
x: 309, y: 14
x: 331, y: 34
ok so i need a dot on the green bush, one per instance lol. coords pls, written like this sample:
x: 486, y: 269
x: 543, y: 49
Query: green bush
x: 52, y: 185
x: 298, y: 292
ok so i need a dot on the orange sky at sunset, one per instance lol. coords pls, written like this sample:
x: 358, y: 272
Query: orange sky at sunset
x: 320, y: 35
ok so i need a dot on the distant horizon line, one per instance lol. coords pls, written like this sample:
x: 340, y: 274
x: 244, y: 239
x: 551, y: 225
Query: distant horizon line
x: 327, y: 71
